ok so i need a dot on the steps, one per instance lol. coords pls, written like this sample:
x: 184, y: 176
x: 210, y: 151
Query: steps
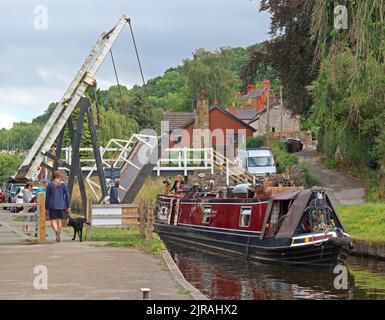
x: 233, y: 172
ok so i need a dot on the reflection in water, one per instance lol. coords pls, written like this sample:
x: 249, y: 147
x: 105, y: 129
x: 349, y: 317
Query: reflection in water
x: 224, y: 277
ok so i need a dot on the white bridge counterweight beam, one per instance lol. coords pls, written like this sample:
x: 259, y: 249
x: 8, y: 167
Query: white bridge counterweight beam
x: 59, y: 108
x: 86, y: 79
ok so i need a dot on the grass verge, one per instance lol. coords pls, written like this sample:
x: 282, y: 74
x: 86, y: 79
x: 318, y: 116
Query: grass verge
x: 125, y: 237
x: 365, y: 221
x: 151, y: 188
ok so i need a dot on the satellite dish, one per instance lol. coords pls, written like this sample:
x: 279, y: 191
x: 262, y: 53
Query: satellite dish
x: 201, y: 175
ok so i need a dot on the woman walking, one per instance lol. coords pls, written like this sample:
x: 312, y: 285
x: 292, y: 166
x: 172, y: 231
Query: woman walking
x: 57, y: 202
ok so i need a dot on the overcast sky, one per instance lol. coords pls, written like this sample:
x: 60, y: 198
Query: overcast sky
x: 37, y: 65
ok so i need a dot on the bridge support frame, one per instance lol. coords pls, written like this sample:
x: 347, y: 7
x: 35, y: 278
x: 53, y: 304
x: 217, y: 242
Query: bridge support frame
x: 75, y: 170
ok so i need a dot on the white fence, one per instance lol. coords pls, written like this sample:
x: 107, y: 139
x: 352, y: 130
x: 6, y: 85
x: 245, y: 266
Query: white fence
x: 186, y: 159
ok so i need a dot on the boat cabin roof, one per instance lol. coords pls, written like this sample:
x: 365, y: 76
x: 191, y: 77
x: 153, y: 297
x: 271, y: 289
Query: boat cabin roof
x: 299, y: 202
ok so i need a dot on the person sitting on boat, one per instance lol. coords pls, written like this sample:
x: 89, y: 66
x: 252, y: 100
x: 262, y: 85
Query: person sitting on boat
x: 178, y: 184
x: 167, y: 186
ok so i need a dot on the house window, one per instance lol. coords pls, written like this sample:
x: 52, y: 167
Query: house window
x: 245, y: 217
x: 273, y: 129
x: 206, y: 215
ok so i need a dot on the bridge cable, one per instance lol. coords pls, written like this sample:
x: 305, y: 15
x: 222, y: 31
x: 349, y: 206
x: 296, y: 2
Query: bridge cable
x: 146, y: 93
x: 116, y: 75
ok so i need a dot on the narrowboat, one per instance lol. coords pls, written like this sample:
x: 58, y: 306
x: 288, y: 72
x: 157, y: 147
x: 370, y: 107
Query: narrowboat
x: 295, y: 227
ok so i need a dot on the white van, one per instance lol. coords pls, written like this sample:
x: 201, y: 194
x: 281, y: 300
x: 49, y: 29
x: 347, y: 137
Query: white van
x: 258, y: 161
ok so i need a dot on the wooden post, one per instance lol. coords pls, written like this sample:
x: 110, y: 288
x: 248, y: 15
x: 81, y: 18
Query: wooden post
x: 281, y: 102
x: 89, y: 220
x: 41, y: 236
x: 142, y: 219
x: 150, y: 220
x: 268, y: 111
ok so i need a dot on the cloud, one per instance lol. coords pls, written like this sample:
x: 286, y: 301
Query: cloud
x: 38, y: 65
x: 6, y: 120
x: 26, y: 103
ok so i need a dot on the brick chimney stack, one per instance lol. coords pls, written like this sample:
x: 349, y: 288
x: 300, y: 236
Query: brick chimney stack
x: 201, y: 119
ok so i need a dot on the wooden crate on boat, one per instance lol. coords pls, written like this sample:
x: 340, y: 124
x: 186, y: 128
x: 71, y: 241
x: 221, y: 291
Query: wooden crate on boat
x: 275, y: 190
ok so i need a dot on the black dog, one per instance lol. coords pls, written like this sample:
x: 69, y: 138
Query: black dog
x: 77, y: 224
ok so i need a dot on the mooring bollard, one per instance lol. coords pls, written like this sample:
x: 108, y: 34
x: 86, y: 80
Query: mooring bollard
x: 89, y: 220
x: 150, y: 220
x: 41, y: 236
x: 145, y: 293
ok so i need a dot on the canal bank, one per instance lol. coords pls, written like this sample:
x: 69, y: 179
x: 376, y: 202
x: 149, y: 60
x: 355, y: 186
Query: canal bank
x: 366, y: 224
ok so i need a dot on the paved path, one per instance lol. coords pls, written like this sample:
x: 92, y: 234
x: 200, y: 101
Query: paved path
x: 79, y: 270
x: 346, y: 190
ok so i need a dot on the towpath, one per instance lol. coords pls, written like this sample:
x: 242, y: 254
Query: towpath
x: 346, y: 190
x: 79, y: 270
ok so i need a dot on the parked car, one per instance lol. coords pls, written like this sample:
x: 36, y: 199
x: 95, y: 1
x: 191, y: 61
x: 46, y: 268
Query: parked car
x: 10, y: 191
x: 18, y: 198
x: 1, y: 195
x: 292, y: 144
x: 258, y: 161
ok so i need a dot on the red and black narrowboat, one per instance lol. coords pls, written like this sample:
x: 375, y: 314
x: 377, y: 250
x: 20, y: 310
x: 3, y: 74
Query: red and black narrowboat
x: 299, y: 227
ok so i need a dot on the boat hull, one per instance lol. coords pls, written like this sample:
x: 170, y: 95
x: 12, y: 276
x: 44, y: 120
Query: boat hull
x: 327, y: 252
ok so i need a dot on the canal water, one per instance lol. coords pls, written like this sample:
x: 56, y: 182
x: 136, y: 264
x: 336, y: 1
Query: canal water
x: 224, y: 277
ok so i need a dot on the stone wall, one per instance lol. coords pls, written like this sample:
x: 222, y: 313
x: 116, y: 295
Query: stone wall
x: 369, y: 249
x: 289, y: 123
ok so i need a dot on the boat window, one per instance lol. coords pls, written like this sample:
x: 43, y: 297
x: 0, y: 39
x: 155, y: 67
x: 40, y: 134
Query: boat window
x: 245, y: 217
x: 275, y: 212
x: 206, y: 215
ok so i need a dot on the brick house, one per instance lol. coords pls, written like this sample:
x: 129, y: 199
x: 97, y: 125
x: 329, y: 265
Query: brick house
x: 254, y: 113
x: 209, y: 126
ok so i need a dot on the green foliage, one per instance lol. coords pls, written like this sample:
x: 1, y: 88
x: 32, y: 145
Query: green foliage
x: 42, y: 120
x: 171, y: 82
x: 291, y: 52
x: 259, y: 68
x: 349, y: 108
x: 285, y: 161
x: 212, y: 72
x: 150, y: 190
x: 8, y: 165
x: 115, y: 125
x: 20, y: 137
x: 127, y: 237
x: 364, y: 222
x: 255, y: 142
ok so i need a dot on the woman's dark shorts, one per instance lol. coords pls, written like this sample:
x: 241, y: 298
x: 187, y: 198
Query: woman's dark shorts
x: 57, y: 214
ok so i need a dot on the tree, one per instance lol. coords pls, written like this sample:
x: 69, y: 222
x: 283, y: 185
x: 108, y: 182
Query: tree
x: 42, y: 120
x: 213, y: 72
x: 20, y: 137
x: 172, y: 81
x: 291, y: 53
x: 8, y: 165
x: 115, y: 126
x: 349, y: 92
